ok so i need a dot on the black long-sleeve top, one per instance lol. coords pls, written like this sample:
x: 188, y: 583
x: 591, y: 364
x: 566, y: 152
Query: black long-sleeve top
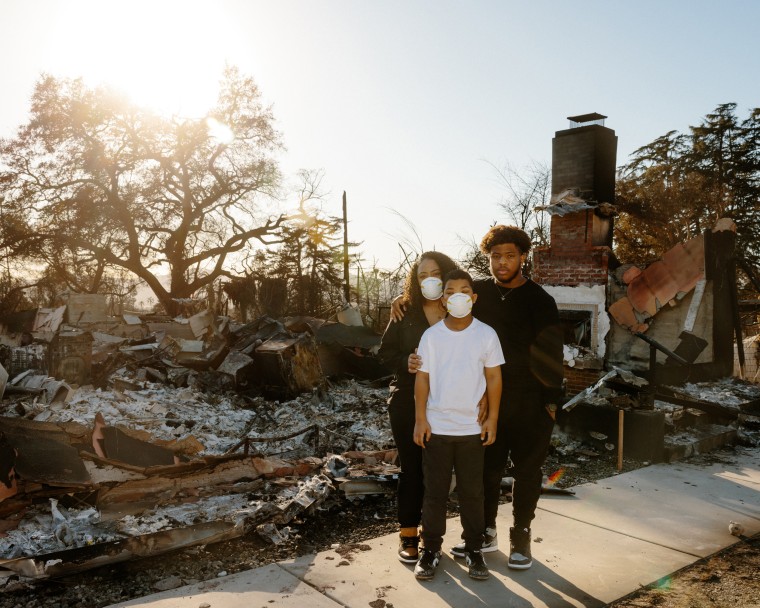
x: 398, y: 342
x: 527, y: 323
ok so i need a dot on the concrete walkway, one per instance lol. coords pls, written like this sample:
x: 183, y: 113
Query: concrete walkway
x: 612, y: 537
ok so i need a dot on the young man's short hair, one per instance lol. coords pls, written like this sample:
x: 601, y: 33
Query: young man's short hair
x: 456, y: 274
x: 501, y: 234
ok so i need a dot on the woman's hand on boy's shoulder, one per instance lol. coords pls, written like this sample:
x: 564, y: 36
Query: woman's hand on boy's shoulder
x: 398, y: 308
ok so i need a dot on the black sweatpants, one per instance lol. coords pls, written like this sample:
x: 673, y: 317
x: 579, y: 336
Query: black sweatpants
x: 523, y: 435
x: 465, y: 455
x: 410, y: 486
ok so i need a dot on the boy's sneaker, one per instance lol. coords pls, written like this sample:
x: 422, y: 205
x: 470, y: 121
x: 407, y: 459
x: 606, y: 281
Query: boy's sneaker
x: 519, y: 549
x: 425, y: 568
x: 476, y: 565
x: 490, y: 543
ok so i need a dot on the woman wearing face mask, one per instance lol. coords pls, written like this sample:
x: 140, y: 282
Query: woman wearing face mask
x: 422, y: 297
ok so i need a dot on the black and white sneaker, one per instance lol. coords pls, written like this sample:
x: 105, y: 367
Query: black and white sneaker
x: 426, y: 565
x: 519, y: 549
x: 476, y: 565
x: 490, y: 543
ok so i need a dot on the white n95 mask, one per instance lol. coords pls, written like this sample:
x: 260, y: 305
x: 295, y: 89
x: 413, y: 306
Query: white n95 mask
x: 459, y: 305
x: 432, y: 288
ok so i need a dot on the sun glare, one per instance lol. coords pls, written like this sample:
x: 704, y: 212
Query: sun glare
x: 219, y: 131
x: 166, y: 55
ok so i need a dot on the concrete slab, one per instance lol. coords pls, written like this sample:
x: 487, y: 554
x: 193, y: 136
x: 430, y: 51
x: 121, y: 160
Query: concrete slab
x: 605, y: 542
x: 683, y: 506
x: 575, y: 564
x: 266, y: 586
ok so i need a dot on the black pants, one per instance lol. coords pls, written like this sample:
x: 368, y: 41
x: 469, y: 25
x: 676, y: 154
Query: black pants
x: 523, y: 435
x: 410, y: 485
x: 465, y: 455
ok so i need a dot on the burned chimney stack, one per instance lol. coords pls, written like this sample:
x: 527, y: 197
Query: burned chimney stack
x: 583, y: 190
x: 584, y: 157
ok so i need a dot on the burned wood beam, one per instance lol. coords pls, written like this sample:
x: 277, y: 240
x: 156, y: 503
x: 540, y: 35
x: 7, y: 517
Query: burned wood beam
x: 749, y: 305
x: 661, y: 348
x: 246, y: 440
x: 663, y: 393
x: 73, y: 561
x: 164, y: 488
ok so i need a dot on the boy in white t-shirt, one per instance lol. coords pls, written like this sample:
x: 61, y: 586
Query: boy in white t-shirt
x: 461, y: 359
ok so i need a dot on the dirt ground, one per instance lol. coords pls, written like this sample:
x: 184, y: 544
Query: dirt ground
x: 728, y: 579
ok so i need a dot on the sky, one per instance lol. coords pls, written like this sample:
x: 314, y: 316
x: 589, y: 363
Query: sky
x: 406, y: 105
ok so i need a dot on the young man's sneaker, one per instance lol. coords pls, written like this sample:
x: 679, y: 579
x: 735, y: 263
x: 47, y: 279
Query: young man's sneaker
x: 490, y: 543
x: 519, y: 549
x: 426, y: 565
x: 476, y: 565
x: 408, y: 549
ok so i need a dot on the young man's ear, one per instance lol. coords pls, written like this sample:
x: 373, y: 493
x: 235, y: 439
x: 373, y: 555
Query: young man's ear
x: 474, y: 298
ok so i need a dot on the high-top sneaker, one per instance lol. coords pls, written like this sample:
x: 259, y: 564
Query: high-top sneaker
x: 490, y: 543
x: 428, y: 562
x: 408, y: 546
x: 519, y: 549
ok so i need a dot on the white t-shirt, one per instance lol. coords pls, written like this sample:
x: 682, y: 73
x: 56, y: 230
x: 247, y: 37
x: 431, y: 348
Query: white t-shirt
x: 455, y: 361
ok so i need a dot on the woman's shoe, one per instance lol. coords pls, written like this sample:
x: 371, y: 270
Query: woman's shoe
x: 408, y: 546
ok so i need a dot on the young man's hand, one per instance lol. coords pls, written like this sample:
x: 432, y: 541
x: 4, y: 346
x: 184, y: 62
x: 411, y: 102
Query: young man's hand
x: 422, y: 433
x: 488, y: 431
x: 414, y: 363
x: 397, y: 309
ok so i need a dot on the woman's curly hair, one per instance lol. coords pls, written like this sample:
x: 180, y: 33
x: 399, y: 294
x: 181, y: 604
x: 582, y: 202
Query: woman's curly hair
x: 412, y: 293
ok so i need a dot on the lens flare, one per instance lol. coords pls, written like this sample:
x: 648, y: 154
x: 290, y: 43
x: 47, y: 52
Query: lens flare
x: 555, y: 477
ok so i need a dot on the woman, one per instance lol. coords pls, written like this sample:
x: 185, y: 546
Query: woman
x: 422, y: 298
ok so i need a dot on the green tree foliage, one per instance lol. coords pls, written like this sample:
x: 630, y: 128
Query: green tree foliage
x: 302, y: 275
x: 310, y: 257
x: 94, y: 182
x: 679, y: 185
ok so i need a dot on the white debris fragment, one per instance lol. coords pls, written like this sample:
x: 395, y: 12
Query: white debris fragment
x: 735, y: 528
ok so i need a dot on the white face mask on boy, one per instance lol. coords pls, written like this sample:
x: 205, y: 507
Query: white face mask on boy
x: 459, y: 305
x: 432, y: 288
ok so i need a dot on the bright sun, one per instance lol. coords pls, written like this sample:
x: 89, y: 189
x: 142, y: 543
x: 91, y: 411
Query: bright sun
x: 164, y: 54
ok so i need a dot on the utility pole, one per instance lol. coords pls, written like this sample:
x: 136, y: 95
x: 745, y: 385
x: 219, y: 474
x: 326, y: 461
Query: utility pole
x: 346, y: 286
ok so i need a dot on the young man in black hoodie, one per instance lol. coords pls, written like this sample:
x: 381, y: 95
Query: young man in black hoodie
x: 526, y: 320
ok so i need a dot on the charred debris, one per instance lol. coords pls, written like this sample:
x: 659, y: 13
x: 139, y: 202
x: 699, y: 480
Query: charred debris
x: 124, y: 437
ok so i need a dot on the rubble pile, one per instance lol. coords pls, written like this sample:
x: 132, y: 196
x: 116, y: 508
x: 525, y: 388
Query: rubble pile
x: 177, y: 464
x: 660, y: 422
x: 127, y: 438
x: 738, y: 398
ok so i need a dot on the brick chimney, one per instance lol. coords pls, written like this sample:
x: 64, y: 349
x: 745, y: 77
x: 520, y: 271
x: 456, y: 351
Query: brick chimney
x: 583, y: 189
